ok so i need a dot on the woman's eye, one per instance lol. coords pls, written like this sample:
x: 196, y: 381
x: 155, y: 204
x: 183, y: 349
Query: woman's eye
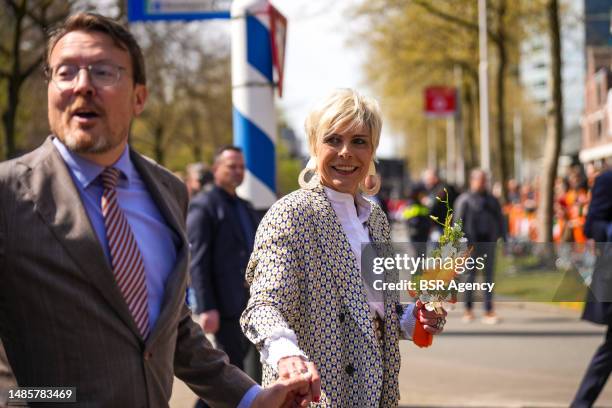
x: 332, y: 140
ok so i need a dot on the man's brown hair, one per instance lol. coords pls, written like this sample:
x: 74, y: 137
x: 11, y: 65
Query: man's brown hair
x: 121, y: 37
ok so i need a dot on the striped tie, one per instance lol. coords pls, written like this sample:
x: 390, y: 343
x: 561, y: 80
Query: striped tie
x: 126, y: 258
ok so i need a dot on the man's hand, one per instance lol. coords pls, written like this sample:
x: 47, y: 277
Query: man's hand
x: 209, y: 321
x: 285, y: 393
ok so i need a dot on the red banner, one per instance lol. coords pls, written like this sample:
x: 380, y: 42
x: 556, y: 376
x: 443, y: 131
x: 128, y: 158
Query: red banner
x: 440, y: 101
x: 278, y: 37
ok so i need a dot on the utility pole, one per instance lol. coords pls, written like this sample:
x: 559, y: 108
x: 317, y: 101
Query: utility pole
x: 483, y: 84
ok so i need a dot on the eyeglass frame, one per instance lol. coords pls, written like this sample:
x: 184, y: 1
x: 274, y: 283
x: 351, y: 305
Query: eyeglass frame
x: 48, y: 72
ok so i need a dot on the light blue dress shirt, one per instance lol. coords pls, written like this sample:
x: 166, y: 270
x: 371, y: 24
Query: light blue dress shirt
x: 157, y: 242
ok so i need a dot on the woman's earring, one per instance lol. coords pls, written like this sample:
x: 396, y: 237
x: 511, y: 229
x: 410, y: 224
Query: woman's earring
x: 371, y: 184
x: 309, y: 178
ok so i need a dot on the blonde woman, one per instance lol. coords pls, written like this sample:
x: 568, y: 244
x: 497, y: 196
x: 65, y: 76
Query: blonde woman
x: 309, y: 309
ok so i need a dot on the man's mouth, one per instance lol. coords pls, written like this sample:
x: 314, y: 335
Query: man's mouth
x: 344, y: 169
x: 85, y: 114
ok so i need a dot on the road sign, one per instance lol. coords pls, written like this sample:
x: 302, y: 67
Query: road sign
x: 278, y: 36
x: 186, y: 10
x: 440, y: 101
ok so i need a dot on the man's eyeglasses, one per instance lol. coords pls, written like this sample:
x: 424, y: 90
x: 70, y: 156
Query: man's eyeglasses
x: 102, y: 74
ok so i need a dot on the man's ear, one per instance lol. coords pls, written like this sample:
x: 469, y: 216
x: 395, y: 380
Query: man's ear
x: 140, y: 98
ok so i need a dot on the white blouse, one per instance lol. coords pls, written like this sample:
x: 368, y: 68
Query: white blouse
x: 352, y: 212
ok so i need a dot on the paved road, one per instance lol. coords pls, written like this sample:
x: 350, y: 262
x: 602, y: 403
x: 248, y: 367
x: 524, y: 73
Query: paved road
x: 534, y: 358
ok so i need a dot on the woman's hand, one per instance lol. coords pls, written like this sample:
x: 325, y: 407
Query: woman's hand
x: 295, y: 366
x: 432, y: 322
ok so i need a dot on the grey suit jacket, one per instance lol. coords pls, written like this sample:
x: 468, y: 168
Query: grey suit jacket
x: 63, y: 320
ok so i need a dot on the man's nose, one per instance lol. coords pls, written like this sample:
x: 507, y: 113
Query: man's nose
x: 83, y: 83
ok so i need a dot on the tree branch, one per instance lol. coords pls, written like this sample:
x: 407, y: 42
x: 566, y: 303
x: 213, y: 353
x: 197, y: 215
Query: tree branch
x: 30, y: 69
x: 453, y: 19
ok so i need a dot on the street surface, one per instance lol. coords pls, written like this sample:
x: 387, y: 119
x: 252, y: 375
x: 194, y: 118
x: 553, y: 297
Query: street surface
x: 534, y: 358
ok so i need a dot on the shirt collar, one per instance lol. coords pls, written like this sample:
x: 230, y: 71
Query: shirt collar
x: 364, y: 207
x: 86, y: 171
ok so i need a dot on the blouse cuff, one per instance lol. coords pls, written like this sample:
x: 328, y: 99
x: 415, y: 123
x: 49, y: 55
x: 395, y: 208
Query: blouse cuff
x: 280, y: 344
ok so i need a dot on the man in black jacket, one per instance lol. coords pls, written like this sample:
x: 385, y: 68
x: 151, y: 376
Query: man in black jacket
x: 483, y: 224
x: 598, y: 226
x: 221, y: 228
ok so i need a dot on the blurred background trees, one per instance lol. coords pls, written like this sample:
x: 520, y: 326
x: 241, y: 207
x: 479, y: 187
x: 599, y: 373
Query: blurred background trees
x: 415, y: 44
x: 189, y: 110
x: 410, y: 45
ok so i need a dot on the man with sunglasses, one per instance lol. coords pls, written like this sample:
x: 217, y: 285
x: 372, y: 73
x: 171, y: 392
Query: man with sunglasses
x: 93, y: 250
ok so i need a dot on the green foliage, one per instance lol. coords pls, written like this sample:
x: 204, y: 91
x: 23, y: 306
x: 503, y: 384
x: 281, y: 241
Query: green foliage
x: 452, y: 232
x: 287, y: 170
x: 420, y: 43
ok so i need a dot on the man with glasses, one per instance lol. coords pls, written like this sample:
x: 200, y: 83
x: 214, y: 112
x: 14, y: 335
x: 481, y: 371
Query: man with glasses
x: 93, y: 250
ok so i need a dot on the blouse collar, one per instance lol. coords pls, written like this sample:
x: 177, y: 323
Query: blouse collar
x: 363, y: 207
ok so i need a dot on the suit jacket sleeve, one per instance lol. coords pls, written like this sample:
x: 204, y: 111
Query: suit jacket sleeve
x: 206, y: 370
x: 275, y: 274
x: 600, y: 209
x: 203, y: 368
x: 200, y: 233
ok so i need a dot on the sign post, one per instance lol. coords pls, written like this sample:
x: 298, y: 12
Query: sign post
x: 184, y: 10
x: 258, y: 34
x: 441, y: 102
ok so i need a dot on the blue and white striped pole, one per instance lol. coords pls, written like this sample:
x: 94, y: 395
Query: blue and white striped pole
x: 253, y: 99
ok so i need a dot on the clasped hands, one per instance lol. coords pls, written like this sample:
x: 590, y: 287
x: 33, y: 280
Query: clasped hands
x: 298, y: 385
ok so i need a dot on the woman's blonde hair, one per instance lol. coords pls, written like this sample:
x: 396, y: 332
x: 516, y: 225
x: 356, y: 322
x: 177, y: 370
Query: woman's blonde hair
x: 344, y: 109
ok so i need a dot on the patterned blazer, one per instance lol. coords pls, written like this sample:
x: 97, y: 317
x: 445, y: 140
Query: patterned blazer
x: 304, y: 277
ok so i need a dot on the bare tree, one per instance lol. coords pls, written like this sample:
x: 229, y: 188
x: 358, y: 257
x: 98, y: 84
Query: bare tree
x: 25, y: 24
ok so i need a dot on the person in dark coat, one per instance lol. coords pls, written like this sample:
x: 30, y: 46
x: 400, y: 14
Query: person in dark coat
x: 221, y: 228
x: 483, y: 225
x: 598, y: 226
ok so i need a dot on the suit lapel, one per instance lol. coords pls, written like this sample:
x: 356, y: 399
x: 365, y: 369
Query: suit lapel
x: 164, y: 198
x: 49, y: 185
x: 349, y: 282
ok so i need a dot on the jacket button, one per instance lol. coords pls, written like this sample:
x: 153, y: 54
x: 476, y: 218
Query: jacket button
x: 399, y: 310
x: 350, y: 370
x: 341, y: 317
x: 147, y: 355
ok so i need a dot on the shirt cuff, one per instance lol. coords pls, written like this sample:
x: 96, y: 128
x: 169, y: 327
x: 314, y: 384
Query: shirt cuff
x: 282, y: 343
x: 249, y: 397
x: 408, y: 321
